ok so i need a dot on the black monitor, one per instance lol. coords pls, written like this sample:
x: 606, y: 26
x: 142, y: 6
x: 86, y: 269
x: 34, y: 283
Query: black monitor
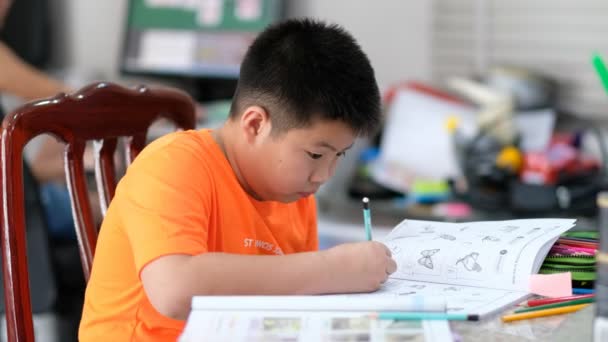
x: 201, y: 42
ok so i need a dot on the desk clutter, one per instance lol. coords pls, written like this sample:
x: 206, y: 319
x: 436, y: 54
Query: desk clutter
x: 573, y: 254
x: 431, y: 151
x: 494, y: 145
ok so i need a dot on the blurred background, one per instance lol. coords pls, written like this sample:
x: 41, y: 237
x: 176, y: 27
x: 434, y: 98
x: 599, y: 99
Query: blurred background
x: 88, y: 36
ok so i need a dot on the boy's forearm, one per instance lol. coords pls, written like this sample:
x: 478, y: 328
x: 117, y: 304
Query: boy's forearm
x: 233, y: 274
x: 300, y: 273
x: 171, y: 281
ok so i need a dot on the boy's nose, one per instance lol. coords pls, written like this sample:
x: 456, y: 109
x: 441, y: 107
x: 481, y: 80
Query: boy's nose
x: 318, y: 178
x: 322, y: 174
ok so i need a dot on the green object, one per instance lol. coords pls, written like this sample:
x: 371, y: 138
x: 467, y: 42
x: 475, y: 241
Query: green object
x: 600, y: 68
x: 184, y: 17
x: 556, y: 305
x: 583, y: 234
x: 430, y: 187
x: 582, y: 267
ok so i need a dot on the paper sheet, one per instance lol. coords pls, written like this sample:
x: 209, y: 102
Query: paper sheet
x: 415, y: 138
x: 307, y: 326
x: 319, y: 303
x: 493, y: 254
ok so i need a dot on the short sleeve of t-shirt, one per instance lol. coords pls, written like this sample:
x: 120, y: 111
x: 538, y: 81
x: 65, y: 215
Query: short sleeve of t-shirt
x: 163, y: 201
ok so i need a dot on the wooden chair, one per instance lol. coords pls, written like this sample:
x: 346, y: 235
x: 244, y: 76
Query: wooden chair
x: 101, y: 112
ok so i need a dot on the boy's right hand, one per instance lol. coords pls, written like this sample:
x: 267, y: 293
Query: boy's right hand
x: 360, y: 266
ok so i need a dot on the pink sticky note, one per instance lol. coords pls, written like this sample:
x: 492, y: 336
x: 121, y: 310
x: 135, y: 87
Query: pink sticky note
x: 551, y: 285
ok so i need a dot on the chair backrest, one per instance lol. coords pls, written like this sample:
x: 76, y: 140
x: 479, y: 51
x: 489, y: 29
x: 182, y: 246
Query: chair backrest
x: 101, y: 112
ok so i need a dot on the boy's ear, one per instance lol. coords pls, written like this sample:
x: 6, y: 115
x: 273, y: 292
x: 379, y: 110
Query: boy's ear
x: 255, y: 122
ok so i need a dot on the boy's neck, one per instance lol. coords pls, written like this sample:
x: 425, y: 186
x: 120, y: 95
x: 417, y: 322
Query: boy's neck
x: 227, y: 149
x: 219, y: 140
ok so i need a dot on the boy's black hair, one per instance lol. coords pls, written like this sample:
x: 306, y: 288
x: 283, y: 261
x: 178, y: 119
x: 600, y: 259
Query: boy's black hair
x: 302, y: 70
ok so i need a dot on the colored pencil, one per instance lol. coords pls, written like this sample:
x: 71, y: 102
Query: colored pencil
x: 413, y: 316
x: 545, y: 301
x: 543, y: 313
x: 556, y: 305
x: 584, y: 244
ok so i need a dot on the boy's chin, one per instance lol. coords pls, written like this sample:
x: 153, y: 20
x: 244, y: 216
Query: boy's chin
x: 283, y: 197
x: 288, y: 198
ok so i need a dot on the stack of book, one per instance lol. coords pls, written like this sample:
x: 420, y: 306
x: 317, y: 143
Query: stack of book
x: 574, y: 252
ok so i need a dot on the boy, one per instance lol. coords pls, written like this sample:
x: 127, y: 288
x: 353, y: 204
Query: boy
x: 231, y: 211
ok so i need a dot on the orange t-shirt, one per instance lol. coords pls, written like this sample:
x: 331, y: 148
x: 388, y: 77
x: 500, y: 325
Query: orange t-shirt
x: 180, y: 196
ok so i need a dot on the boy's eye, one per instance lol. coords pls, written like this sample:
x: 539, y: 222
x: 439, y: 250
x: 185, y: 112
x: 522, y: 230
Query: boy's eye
x: 342, y: 154
x: 315, y: 155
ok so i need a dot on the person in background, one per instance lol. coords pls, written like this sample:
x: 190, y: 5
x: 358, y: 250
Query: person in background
x: 47, y: 204
x: 232, y: 210
x: 22, y: 80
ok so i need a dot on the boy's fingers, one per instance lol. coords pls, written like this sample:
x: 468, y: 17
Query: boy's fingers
x: 387, y: 250
x: 391, y: 267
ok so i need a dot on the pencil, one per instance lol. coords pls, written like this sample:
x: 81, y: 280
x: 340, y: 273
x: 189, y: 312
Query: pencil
x: 543, y: 313
x: 367, y: 219
x: 556, y: 305
x: 416, y: 316
x: 545, y: 301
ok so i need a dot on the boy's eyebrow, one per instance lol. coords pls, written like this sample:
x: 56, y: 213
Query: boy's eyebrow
x: 329, y: 146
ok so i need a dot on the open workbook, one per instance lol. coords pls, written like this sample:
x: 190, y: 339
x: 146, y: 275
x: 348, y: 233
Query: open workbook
x: 478, y: 267
x: 472, y: 269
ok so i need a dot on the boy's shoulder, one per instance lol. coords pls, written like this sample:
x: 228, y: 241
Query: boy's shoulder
x: 178, y: 153
x: 180, y: 139
x: 192, y: 142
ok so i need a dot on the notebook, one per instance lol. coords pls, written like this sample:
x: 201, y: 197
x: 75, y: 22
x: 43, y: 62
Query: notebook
x: 479, y: 268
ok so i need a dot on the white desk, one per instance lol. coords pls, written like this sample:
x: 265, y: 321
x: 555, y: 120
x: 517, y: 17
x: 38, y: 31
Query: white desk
x: 576, y: 327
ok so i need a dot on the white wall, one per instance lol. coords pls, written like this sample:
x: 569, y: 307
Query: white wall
x: 89, y: 35
x: 394, y: 33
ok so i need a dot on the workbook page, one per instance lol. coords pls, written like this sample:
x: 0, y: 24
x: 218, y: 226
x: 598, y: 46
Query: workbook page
x: 247, y: 326
x: 459, y: 299
x: 489, y: 254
